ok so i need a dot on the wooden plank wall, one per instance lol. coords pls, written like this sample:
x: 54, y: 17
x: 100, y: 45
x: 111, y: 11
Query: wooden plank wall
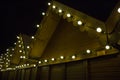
x: 101, y: 68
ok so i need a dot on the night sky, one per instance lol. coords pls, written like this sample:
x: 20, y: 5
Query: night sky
x: 21, y: 16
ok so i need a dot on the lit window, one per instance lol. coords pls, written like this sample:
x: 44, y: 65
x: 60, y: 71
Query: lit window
x: 19, y: 45
x: 34, y: 65
x: 18, y: 37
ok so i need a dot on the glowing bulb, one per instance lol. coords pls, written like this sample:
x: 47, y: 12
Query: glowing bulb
x: 7, y: 49
x: 53, y: 59
x: 11, y: 55
x: 118, y: 10
x: 28, y: 47
x: 88, y: 51
x: 79, y: 22
x: 68, y: 15
x: 45, y: 60
x: 19, y: 45
x: 14, y: 43
x: 73, y: 57
x: 107, y: 47
x: 99, y: 30
x: 34, y: 65
x: 27, y: 64
x: 18, y: 37
x: 43, y: 13
x: 60, y: 11
x: 39, y: 62
x: 24, y: 57
x: 12, y: 49
x: 49, y: 4
x: 38, y: 26
x: 21, y: 57
x: 18, y: 41
x: 32, y: 37
x: 20, y: 51
x: 61, y: 57
x: 53, y: 6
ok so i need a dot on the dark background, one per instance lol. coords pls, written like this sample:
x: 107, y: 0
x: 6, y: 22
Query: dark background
x: 21, y: 16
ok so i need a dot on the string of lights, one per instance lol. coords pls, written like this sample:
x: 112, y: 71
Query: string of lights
x: 5, y: 58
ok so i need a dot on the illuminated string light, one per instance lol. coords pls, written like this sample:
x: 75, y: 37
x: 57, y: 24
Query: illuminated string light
x: 73, y: 57
x: 99, y: 30
x: 118, y: 10
x: 49, y: 3
x: 60, y: 11
x: 61, y: 57
x: 18, y: 37
x: 33, y: 37
x: 88, y: 51
x: 53, y: 59
x: 43, y: 13
x: 68, y: 15
x: 12, y: 49
x: 39, y: 62
x: 28, y: 47
x: 53, y: 6
x: 45, y: 60
x: 19, y: 41
x: 107, y: 47
x: 79, y: 22
x: 20, y: 51
x: 38, y: 26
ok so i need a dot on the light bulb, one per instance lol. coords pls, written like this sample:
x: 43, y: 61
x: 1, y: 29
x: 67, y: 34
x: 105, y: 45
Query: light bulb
x: 61, y: 57
x: 88, y: 51
x: 99, y: 30
x: 53, y: 6
x: 79, y: 22
x: 43, y: 13
x: 39, y: 62
x: 38, y: 26
x: 107, y: 47
x: 49, y: 3
x: 32, y: 37
x: 68, y: 15
x: 60, y: 11
x: 53, y: 59
x: 45, y: 60
x: 73, y: 57
x: 118, y: 10
x: 28, y: 47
